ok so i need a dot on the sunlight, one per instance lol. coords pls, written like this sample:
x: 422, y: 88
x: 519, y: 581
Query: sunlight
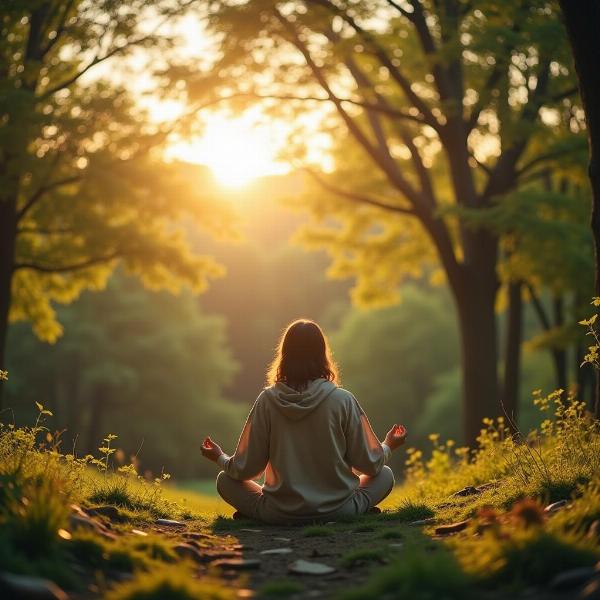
x: 236, y: 149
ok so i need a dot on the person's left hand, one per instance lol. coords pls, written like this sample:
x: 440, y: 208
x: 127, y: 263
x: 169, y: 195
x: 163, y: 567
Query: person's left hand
x: 396, y: 436
x: 210, y: 449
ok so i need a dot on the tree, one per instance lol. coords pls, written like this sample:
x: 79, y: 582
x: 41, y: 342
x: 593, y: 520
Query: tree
x: 582, y: 20
x: 443, y: 101
x: 149, y: 367
x: 82, y: 185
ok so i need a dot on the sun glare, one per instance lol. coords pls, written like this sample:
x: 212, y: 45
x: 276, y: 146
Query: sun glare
x: 235, y: 149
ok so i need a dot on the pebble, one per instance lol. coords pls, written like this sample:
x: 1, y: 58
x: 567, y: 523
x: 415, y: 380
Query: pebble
x: 452, y: 528
x: 22, y: 587
x: 305, y: 567
x: 396, y: 546
x: 278, y: 551
x: 194, y: 535
x: 169, y: 523
x: 238, y: 564
x: 572, y: 578
x: 592, y: 590
x: 188, y: 551
x: 252, y: 530
x: 282, y: 539
x: 555, y: 506
x: 139, y: 532
x: 215, y: 555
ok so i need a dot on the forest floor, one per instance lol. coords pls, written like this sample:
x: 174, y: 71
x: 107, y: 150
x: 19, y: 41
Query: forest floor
x: 519, y: 518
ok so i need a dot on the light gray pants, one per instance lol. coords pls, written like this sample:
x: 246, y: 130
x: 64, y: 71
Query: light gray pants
x: 247, y: 498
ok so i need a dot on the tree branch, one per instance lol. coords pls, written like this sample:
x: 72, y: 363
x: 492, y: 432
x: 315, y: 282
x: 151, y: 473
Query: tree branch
x: 356, y: 197
x: 90, y: 262
x: 539, y: 309
x: 38, y: 195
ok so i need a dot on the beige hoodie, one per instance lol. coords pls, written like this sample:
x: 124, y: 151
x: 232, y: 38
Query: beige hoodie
x: 307, y: 443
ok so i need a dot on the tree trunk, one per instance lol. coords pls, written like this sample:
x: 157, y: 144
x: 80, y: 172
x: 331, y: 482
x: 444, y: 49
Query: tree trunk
x: 512, y: 353
x: 479, y: 353
x: 8, y: 232
x: 97, y: 407
x: 582, y: 20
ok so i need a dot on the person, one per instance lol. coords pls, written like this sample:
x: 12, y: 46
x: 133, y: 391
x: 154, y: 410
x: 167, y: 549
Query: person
x: 310, y: 439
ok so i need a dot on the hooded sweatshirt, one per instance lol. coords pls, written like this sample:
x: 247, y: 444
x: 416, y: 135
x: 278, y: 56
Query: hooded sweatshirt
x: 311, y: 446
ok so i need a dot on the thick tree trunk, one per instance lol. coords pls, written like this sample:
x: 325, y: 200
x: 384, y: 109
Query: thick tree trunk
x: 8, y: 228
x: 582, y: 20
x: 512, y: 352
x: 479, y: 353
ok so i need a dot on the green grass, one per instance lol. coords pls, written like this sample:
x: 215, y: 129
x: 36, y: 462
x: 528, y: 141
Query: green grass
x: 362, y: 556
x: 171, y: 583
x: 409, y: 511
x: 280, y: 588
x: 318, y: 531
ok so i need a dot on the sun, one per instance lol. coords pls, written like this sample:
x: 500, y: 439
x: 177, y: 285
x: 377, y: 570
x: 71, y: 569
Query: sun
x: 237, y: 150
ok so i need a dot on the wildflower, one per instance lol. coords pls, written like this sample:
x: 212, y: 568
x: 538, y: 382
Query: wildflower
x: 3, y: 375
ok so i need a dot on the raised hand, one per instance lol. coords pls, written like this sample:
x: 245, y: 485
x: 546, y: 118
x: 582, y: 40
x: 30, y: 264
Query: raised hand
x: 210, y: 449
x: 396, y: 436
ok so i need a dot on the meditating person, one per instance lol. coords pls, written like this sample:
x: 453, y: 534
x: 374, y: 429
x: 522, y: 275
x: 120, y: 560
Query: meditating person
x: 310, y: 438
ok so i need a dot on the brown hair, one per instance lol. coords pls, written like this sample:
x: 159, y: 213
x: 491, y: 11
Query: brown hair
x: 303, y: 354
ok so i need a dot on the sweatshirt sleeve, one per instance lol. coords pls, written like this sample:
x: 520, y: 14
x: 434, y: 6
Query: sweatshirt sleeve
x: 363, y: 449
x: 252, y: 452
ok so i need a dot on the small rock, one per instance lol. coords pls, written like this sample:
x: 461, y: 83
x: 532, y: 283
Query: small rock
x: 22, y: 587
x: 110, y: 512
x: 452, y: 528
x: 572, y: 578
x: 245, y: 593
x: 591, y: 591
x: 396, y: 546
x: 169, y: 523
x: 252, y: 530
x: 282, y: 539
x: 277, y: 551
x: 195, y: 535
x: 188, y: 551
x: 334, y: 522
x: 79, y: 522
x: 209, y: 556
x: 466, y: 491
x: 422, y: 522
x: 305, y: 567
x: 238, y: 564
x: 486, y: 486
x: 555, y: 506
x: 139, y: 532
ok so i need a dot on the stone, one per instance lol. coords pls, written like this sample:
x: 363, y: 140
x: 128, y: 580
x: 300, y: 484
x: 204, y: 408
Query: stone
x: 252, y: 530
x: 305, y: 567
x: 486, y: 486
x: 79, y: 522
x: 110, y: 512
x: 139, y: 532
x: 572, y: 578
x: 209, y: 556
x: 277, y: 551
x: 238, y: 564
x: 24, y: 587
x: 282, y: 539
x: 195, y: 535
x: 169, y: 523
x: 555, y: 506
x: 396, y: 546
x: 466, y: 491
x: 422, y: 522
x: 592, y: 590
x: 452, y: 528
x: 188, y: 551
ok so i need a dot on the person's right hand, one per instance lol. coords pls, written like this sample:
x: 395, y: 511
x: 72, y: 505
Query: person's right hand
x: 210, y: 449
x: 396, y: 436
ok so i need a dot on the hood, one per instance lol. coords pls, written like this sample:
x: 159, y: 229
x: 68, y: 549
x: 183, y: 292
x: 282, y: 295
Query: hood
x: 297, y: 405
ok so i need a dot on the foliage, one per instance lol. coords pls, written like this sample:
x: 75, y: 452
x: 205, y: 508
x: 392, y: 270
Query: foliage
x: 84, y: 186
x: 280, y: 588
x: 124, y: 353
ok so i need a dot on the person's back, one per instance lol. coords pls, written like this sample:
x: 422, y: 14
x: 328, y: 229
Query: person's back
x: 311, y: 439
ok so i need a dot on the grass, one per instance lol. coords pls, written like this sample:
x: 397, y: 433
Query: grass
x: 280, y: 588
x: 510, y: 543
x: 172, y: 583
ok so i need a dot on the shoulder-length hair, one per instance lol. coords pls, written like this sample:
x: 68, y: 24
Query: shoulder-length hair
x: 303, y: 354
